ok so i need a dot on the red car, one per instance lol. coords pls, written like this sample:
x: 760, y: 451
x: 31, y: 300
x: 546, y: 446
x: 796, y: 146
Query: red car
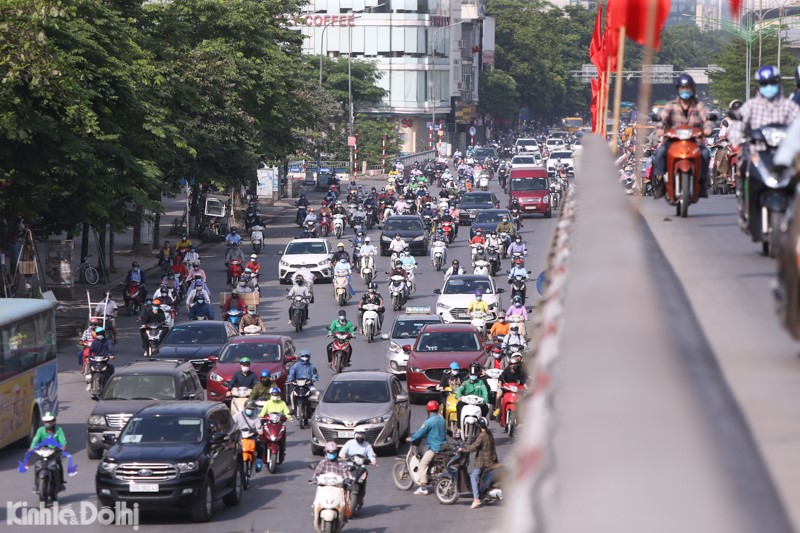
x: 275, y: 353
x: 530, y: 186
x: 437, y: 346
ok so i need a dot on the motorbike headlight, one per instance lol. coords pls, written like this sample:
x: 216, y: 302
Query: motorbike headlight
x: 284, y: 263
x: 213, y: 376
x: 97, y: 420
x: 323, y: 419
x: 108, y: 467
x: 187, y: 467
x: 774, y: 136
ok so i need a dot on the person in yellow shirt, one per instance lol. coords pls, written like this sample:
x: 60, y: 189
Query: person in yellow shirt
x: 184, y: 243
x: 478, y: 304
x: 500, y: 328
x: 276, y: 405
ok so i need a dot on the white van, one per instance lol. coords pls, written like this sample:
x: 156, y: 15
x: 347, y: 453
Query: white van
x: 526, y: 146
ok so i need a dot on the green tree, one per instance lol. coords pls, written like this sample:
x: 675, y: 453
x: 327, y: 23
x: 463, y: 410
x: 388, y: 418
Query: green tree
x: 498, y: 94
x: 728, y: 82
x: 370, y: 133
x: 687, y: 46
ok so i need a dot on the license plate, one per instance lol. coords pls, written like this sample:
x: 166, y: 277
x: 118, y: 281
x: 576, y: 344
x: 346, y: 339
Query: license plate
x: 346, y: 434
x: 144, y: 487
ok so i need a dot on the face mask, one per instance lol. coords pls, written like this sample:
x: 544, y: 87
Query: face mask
x: 518, y: 304
x: 359, y: 439
x: 245, y: 369
x: 685, y: 95
x: 769, y: 91
x: 304, y: 359
x: 331, y: 456
x: 265, y: 381
x: 473, y: 377
x: 252, y: 313
x: 248, y: 412
x: 275, y: 398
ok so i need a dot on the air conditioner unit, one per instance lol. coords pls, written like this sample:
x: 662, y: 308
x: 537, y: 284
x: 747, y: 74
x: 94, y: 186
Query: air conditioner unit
x: 460, y: 85
x: 456, y: 62
x: 462, y: 44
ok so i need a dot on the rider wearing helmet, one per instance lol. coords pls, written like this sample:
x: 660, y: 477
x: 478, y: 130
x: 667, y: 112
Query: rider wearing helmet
x: 685, y: 111
x: 341, y: 325
x: 244, y: 377
x: 251, y: 319
x: 518, y: 270
x: 513, y: 373
x: 332, y: 465
x: 358, y: 445
x: 474, y: 386
x: 454, y: 270
x: 478, y: 238
x: 248, y: 420
x: 49, y: 430
x: 372, y: 296
x: 439, y: 236
x: 434, y: 430
x: 478, y: 303
x: 339, y: 254
x: 151, y: 314
x: 485, y: 459
x: 262, y: 388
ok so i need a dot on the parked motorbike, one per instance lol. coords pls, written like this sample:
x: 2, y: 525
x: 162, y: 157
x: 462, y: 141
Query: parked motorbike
x: 370, y: 321
x: 456, y: 482
x: 273, y: 435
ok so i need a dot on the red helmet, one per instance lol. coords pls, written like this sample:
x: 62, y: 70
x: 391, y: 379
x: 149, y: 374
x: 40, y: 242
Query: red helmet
x: 433, y: 405
x: 518, y: 261
x: 324, y: 203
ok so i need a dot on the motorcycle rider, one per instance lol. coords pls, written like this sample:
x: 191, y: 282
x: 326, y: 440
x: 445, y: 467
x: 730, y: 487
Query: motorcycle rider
x: 358, y: 242
x: 450, y: 378
x: 339, y: 254
x: 166, y: 295
x: 251, y: 319
x: 299, y: 289
x: 407, y: 260
x: 196, y: 271
x: 371, y: 297
x: 135, y: 275
x: 505, y: 226
x: 201, y: 308
x: 192, y: 257
x: 48, y: 430
x: 262, y: 388
x: 480, y: 255
x: 517, y: 247
x: 102, y: 347
x: 303, y: 369
x: 302, y: 201
x: 341, y: 325
x: 397, y: 245
x: 434, y: 430
x: 478, y: 238
x: 358, y: 445
x: 492, y: 241
x: 439, y: 236
x: 183, y: 243
x: 151, y: 314
x: 473, y: 386
x: 367, y: 248
x: 243, y: 378
x: 514, y: 338
x: 331, y: 465
x: 248, y: 420
x: 478, y: 304
x: 253, y: 265
x: 485, y: 458
x: 687, y: 111
x: 275, y: 404
x: 110, y: 310
x: 165, y: 256
x: 513, y: 373
x: 234, y: 253
x: 233, y: 301
x: 324, y: 210
x: 448, y: 216
x: 501, y: 328
x: 398, y: 270
x: 197, y: 289
x: 87, y: 336
x: 342, y: 269
x: 233, y: 237
x: 518, y: 270
x: 517, y: 309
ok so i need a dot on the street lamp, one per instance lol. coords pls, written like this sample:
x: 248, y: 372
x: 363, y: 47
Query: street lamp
x: 433, y: 72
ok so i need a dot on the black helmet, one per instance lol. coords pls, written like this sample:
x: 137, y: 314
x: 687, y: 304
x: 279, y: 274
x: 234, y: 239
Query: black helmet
x: 685, y: 80
x: 475, y: 368
x: 250, y: 404
x: 483, y: 423
x: 735, y: 104
x: 455, y: 262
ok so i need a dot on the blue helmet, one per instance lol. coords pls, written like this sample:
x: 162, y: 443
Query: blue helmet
x: 275, y: 391
x: 264, y: 374
x: 455, y: 366
x: 768, y: 74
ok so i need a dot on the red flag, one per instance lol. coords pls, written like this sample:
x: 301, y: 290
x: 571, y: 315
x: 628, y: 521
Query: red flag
x: 633, y: 15
x: 611, y: 44
x: 596, y: 50
x: 735, y: 5
x: 593, y: 105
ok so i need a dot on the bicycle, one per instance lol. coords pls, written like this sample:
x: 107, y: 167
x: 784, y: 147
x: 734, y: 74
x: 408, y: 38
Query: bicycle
x: 87, y: 272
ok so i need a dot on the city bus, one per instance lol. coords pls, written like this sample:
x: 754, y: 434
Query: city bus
x: 28, y: 368
x: 572, y: 124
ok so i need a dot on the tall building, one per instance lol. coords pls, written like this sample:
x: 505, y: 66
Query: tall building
x: 429, y: 54
x: 683, y: 11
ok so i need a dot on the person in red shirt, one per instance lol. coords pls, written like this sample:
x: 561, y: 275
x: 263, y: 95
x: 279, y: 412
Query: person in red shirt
x: 233, y: 301
x: 478, y: 238
x: 253, y: 264
x: 179, y: 267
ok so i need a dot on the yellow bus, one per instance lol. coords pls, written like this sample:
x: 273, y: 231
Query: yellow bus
x: 572, y: 124
x: 28, y: 368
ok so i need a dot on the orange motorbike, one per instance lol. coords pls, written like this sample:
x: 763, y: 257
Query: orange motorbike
x: 684, y: 167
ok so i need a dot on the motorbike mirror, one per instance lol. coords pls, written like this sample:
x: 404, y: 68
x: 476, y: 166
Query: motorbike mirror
x: 655, y: 117
x: 437, y: 291
x: 218, y: 438
x: 280, y: 252
x: 95, y: 397
x: 500, y: 291
x: 713, y: 117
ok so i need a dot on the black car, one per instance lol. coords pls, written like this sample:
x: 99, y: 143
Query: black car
x: 488, y: 220
x: 475, y: 201
x: 195, y: 341
x: 134, y: 387
x: 482, y: 153
x: 411, y: 228
x: 174, y: 455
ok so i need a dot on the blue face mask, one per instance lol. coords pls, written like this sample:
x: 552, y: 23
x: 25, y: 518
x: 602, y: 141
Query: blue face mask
x: 473, y: 377
x: 685, y: 95
x: 331, y: 456
x: 769, y: 91
x: 248, y: 412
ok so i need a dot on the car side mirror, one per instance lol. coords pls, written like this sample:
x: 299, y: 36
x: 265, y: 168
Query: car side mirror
x: 218, y: 438
x: 280, y: 252
x: 291, y: 358
x: 385, y: 336
x: 407, y: 348
x: 109, y: 438
x: 500, y: 291
x: 95, y: 396
x: 212, y: 359
x: 437, y: 291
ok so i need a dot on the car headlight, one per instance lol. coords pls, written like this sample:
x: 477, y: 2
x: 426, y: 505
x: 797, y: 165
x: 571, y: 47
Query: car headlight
x: 323, y: 419
x: 546, y: 199
x: 414, y: 369
x: 97, y: 420
x: 108, y: 467
x: 380, y: 419
x: 443, y: 307
x: 284, y: 263
x: 393, y: 346
x: 213, y: 376
x: 323, y: 263
x: 420, y: 238
x: 189, y: 466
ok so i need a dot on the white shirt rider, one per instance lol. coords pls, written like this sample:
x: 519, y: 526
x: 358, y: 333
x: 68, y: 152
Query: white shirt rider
x: 397, y: 245
x: 342, y: 268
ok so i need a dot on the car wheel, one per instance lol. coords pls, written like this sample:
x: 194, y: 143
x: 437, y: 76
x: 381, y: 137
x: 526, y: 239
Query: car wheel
x: 415, y: 398
x: 203, y: 508
x: 393, y: 448
x: 93, y: 453
x: 234, y: 497
x: 316, y: 450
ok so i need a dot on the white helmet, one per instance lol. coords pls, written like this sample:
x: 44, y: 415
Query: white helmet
x: 366, y: 239
x: 254, y: 257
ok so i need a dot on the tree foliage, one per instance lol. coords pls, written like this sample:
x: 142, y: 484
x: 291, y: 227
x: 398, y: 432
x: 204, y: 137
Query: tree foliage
x: 687, y: 46
x: 498, y: 94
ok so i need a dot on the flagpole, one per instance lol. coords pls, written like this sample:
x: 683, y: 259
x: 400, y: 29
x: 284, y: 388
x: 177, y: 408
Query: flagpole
x: 645, y: 92
x: 618, y: 88
x: 607, y: 84
x: 598, y: 128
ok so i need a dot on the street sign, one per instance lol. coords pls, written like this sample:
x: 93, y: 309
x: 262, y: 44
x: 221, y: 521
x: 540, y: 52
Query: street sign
x: 472, y: 130
x: 441, y: 133
x: 351, y: 141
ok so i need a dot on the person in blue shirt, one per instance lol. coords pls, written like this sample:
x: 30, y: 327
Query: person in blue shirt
x: 518, y: 270
x: 201, y: 308
x: 302, y: 370
x: 135, y: 275
x: 358, y: 241
x: 434, y: 430
x: 233, y: 237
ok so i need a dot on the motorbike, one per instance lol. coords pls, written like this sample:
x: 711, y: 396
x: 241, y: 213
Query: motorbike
x: 450, y: 407
x: 470, y: 414
x: 508, y: 407
x: 235, y: 270
x: 518, y: 288
x: 273, y: 435
x: 409, y: 277
x: 98, y: 374
x: 555, y: 195
x: 302, y: 211
x: 480, y: 268
x: 456, y: 482
x: 341, y: 345
x: 406, y: 472
x: 340, y: 284
x: 516, y: 217
x: 310, y: 230
x: 239, y: 396
x: 302, y: 398
x: 505, y: 242
x: 299, y: 308
x: 478, y: 321
x: 324, y: 225
x: 438, y: 254
x: 502, y: 174
x: 367, y: 269
x: 483, y: 181
x: 449, y: 231
x: 357, y: 464
x: 248, y: 456
x: 397, y: 290
x: 338, y: 225
x: 370, y: 321
x: 519, y: 321
x: 47, y: 475
x: 766, y: 192
x: 155, y: 334
x: 257, y: 238
x: 233, y: 316
x: 493, y: 384
x: 133, y: 298
x: 329, y: 503
x: 494, y: 259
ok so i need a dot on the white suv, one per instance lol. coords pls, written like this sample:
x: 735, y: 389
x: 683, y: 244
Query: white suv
x: 310, y: 254
x: 565, y: 156
x: 458, y: 291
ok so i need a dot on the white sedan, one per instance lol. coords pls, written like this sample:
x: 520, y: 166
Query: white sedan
x: 308, y: 254
x: 459, y: 291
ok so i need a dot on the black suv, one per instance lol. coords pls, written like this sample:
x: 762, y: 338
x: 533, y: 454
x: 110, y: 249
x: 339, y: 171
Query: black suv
x: 135, y: 386
x: 174, y: 455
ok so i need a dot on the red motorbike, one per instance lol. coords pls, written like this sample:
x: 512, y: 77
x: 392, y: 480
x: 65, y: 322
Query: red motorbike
x: 733, y: 165
x: 341, y: 348
x: 235, y: 270
x: 273, y: 435
x: 133, y: 298
x: 508, y: 407
x: 324, y: 225
x: 447, y: 227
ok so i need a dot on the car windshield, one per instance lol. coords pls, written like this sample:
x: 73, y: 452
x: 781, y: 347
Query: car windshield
x: 524, y: 160
x: 554, y: 142
x: 483, y: 153
x: 527, y: 142
x: 137, y: 387
x: 561, y: 155
x: 490, y: 216
x: 456, y: 341
x: 357, y: 392
x: 477, y: 199
x: 406, y: 328
x: 196, y: 335
x: 456, y: 285
x: 302, y: 248
x: 159, y: 429
x: 529, y: 184
x: 258, y: 352
x: 402, y: 224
